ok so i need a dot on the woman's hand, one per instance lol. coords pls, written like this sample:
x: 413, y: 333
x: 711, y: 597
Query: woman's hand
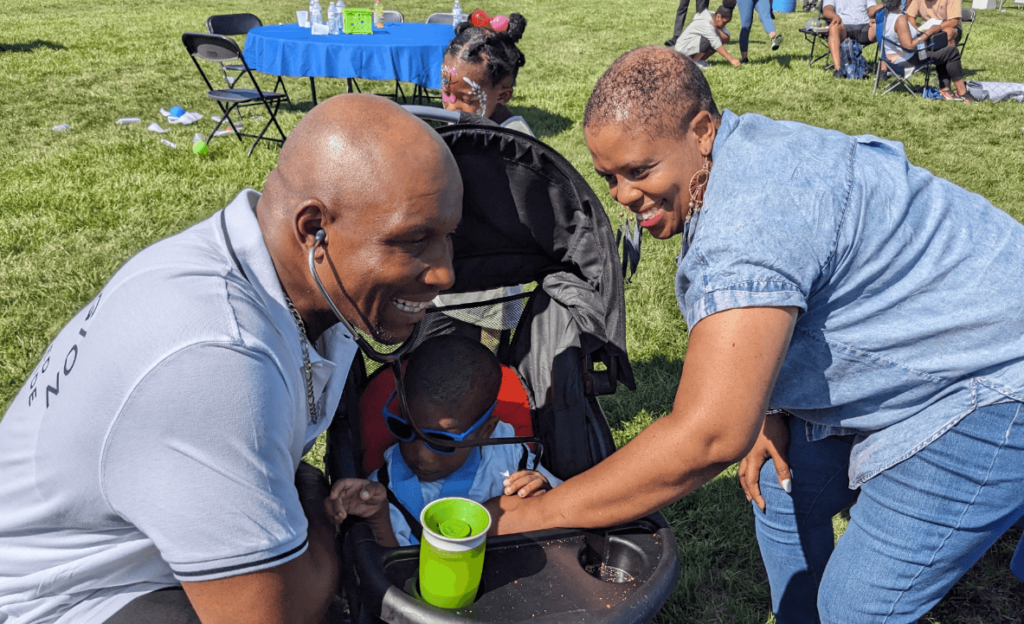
x: 773, y: 443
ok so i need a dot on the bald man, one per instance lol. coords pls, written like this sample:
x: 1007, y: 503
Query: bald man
x: 149, y: 461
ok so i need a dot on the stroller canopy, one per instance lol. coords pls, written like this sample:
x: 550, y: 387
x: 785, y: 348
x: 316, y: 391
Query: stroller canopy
x: 529, y: 216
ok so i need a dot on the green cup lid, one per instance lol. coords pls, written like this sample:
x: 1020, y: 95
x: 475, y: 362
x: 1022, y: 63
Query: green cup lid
x: 455, y: 529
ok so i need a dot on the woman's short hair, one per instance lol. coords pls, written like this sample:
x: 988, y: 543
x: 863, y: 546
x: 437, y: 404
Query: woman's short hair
x: 651, y: 89
x: 725, y: 12
x: 893, y: 7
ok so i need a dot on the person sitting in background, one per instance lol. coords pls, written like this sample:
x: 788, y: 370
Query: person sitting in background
x: 898, y: 27
x: 848, y: 19
x: 706, y: 35
x: 457, y: 402
x: 939, y: 15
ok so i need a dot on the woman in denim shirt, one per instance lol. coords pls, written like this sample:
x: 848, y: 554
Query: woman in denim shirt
x: 823, y: 275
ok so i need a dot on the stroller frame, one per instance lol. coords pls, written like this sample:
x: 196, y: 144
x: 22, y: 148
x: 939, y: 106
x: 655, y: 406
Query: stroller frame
x: 528, y: 217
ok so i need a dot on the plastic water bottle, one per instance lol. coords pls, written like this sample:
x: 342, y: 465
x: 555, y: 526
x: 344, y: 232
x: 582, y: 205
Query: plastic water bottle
x: 332, y: 19
x: 378, y: 14
x: 315, y: 16
x: 340, y: 8
x: 922, y: 51
x: 456, y: 14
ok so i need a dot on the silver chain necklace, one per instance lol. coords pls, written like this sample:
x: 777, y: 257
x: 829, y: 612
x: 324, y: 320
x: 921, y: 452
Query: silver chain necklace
x: 307, y: 368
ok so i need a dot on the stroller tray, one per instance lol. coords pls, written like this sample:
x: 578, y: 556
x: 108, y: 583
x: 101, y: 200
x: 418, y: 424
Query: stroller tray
x: 564, y: 575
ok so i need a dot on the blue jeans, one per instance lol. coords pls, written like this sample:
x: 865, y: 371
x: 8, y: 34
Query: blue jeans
x: 764, y: 12
x: 914, y: 529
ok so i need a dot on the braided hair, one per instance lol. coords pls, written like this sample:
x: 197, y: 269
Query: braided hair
x: 472, y: 43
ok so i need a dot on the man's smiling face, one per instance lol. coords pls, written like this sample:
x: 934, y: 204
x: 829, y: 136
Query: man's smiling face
x: 396, y: 254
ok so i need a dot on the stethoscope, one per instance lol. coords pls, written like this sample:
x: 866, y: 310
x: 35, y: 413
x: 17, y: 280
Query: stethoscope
x: 393, y: 361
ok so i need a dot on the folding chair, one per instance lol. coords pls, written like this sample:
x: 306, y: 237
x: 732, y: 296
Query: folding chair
x: 813, y: 34
x: 234, y: 25
x: 441, y: 18
x: 221, y: 49
x: 899, y: 72
x: 967, y: 16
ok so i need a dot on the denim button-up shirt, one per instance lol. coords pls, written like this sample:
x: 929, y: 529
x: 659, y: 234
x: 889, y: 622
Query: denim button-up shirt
x: 910, y: 289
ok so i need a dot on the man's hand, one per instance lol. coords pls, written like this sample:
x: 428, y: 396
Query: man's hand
x: 735, y: 62
x: 356, y: 497
x: 526, y: 483
x: 772, y: 442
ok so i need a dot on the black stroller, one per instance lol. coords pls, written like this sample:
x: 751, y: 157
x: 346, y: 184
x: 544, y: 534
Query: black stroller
x: 528, y: 218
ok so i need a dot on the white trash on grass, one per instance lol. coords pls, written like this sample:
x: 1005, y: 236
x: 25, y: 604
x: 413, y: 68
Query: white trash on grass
x: 127, y: 120
x: 61, y: 128
x: 187, y: 119
x: 155, y: 127
x: 168, y: 144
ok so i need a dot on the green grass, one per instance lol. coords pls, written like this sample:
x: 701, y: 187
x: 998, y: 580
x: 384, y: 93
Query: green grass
x: 75, y: 205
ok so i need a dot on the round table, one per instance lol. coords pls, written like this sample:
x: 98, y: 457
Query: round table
x: 405, y: 52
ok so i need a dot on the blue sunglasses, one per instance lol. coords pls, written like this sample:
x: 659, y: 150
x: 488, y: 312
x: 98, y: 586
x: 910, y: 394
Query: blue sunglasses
x: 401, y: 429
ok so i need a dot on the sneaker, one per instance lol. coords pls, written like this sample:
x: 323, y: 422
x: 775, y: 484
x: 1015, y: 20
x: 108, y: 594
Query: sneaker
x: 746, y: 60
x: 838, y: 74
x: 670, y: 43
x: 702, y: 64
x: 776, y: 42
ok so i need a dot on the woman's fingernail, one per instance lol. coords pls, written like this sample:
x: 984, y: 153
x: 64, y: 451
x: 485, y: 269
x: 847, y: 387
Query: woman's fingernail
x: 748, y: 498
x: 787, y: 484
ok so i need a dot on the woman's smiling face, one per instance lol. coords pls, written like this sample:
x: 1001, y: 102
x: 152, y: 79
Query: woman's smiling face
x: 650, y: 173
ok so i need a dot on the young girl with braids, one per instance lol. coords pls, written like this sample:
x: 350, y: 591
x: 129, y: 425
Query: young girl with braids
x: 478, y: 76
x: 480, y: 68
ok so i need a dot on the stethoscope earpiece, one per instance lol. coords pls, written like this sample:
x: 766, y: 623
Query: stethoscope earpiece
x: 320, y: 236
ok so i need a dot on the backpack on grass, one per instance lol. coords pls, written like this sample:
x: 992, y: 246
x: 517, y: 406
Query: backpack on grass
x: 852, y: 62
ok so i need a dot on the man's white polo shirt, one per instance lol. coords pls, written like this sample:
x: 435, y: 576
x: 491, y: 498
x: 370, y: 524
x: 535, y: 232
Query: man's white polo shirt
x: 157, y: 439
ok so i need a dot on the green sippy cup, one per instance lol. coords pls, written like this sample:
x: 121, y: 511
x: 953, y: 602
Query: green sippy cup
x: 452, y: 551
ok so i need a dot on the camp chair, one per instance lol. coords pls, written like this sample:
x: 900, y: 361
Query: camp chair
x: 234, y: 25
x: 813, y: 34
x: 440, y: 18
x: 897, y: 74
x: 967, y: 16
x: 221, y: 49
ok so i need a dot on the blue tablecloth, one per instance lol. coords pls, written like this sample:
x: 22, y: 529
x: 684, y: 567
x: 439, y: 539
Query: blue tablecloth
x: 406, y: 52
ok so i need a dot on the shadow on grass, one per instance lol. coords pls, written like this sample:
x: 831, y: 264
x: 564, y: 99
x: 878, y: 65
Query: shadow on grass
x: 30, y: 46
x: 543, y: 123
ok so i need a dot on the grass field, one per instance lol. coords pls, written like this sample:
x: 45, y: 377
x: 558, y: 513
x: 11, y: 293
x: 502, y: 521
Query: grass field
x: 75, y: 205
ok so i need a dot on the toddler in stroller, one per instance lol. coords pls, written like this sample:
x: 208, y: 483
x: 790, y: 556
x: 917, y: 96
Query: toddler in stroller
x: 456, y: 403
x: 528, y: 218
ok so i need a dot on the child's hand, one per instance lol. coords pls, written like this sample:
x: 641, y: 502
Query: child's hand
x: 526, y: 483
x: 357, y: 497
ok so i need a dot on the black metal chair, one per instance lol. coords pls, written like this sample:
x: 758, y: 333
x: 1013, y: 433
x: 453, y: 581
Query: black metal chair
x: 221, y: 49
x: 234, y: 25
x: 967, y: 16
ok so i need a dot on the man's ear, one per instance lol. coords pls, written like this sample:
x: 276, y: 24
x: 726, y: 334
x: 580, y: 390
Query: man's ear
x: 310, y: 219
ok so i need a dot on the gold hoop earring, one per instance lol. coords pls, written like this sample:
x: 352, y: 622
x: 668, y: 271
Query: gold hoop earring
x: 698, y: 184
